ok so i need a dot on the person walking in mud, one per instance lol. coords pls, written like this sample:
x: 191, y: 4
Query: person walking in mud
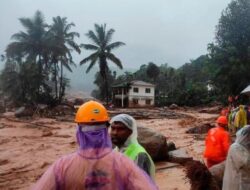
x: 95, y: 165
x: 124, y: 137
x: 217, y: 143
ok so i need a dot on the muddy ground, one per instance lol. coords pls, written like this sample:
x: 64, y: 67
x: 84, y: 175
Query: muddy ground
x: 29, y: 146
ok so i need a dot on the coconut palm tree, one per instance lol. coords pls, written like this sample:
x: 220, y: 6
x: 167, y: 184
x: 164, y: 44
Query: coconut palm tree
x: 62, y: 44
x: 31, y: 46
x: 102, y: 48
x: 31, y: 43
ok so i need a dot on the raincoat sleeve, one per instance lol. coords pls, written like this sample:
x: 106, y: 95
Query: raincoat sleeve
x: 236, y: 176
x: 47, y: 181
x: 143, y: 162
x: 240, y: 157
x: 137, y: 178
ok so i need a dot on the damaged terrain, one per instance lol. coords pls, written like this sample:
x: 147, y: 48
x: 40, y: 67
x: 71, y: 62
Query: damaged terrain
x: 29, y: 145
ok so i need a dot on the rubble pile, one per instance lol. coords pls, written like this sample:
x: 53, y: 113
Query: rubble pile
x: 152, y: 113
x: 202, y: 128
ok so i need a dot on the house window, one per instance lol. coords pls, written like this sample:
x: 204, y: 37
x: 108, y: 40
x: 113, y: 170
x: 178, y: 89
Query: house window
x: 135, y: 101
x: 148, y: 102
x: 147, y: 90
x: 136, y: 90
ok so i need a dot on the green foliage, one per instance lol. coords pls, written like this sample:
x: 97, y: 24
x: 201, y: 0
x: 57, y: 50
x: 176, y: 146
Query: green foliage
x: 102, y: 48
x: 152, y: 71
x: 100, y: 93
x: 19, y: 81
x: 33, y: 59
x: 61, y: 44
x: 230, y: 58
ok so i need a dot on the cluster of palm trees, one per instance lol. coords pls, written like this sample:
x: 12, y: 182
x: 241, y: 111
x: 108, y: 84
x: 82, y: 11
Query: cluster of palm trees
x: 35, y: 60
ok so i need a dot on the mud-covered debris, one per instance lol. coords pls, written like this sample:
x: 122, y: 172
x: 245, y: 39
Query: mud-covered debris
x: 199, y: 176
x: 3, y: 161
x: 212, y: 110
x: 44, y: 164
x: 173, y: 106
x: 47, y: 133
x: 2, y: 126
x: 179, y: 156
x: 153, y: 113
x: 24, y: 112
x: 200, y: 129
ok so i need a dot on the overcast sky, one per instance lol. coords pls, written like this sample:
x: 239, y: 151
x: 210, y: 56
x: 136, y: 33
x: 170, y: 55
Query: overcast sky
x: 162, y: 31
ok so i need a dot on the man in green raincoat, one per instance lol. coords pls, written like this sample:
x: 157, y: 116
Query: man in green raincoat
x: 124, y: 137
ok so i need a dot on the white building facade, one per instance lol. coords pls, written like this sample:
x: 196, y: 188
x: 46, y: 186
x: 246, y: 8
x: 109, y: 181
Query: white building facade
x: 134, y: 94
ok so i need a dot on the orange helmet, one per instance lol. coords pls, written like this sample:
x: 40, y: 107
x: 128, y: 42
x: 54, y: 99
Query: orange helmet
x: 91, y: 112
x: 222, y: 120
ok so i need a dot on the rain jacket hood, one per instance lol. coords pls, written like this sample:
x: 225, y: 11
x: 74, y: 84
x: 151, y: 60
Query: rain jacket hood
x: 243, y: 137
x: 130, y: 123
x: 93, y: 139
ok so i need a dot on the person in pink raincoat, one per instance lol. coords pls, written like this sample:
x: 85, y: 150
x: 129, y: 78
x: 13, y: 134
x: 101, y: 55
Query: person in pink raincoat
x: 95, y: 166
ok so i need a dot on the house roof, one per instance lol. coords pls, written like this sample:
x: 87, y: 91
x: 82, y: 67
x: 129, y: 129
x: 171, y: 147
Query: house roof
x: 141, y: 83
x: 135, y: 82
x: 124, y: 84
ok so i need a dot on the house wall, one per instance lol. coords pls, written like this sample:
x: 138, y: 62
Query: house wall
x: 138, y: 99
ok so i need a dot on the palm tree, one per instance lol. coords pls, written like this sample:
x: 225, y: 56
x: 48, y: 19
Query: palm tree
x: 102, y: 48
x: 31, y: 44
x: 62, y: 43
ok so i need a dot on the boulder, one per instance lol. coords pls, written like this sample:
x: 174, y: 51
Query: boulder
x: 171, y: 146
x: 179, y: 156
x: 201, y: 128
x: 173, y: 106
x: 24, y: 112
x: 78, y: 101
x: 154, y: 142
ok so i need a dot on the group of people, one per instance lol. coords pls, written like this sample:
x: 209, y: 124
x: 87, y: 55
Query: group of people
x: 218, y: 149
x: 238, y: 117
x: 110, y: 157
x: 97, y: 164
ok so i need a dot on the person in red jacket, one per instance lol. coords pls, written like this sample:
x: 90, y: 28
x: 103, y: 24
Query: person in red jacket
x: 217, y: 143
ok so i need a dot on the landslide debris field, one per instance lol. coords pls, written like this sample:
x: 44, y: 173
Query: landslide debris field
x: 29, y: 145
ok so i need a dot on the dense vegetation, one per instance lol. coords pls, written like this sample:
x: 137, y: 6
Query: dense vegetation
x: 34, y: 62
x: 34, y: 65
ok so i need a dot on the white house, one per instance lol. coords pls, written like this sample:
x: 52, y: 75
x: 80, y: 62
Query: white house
x: 134, y: 94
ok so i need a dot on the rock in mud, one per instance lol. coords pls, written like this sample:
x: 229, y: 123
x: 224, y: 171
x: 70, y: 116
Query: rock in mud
x: 47, y: 133
x: 173, y: 106
x: 154, y: 142
x: 201, y: 129
x: 179, y: 156
x: 24, y: 112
